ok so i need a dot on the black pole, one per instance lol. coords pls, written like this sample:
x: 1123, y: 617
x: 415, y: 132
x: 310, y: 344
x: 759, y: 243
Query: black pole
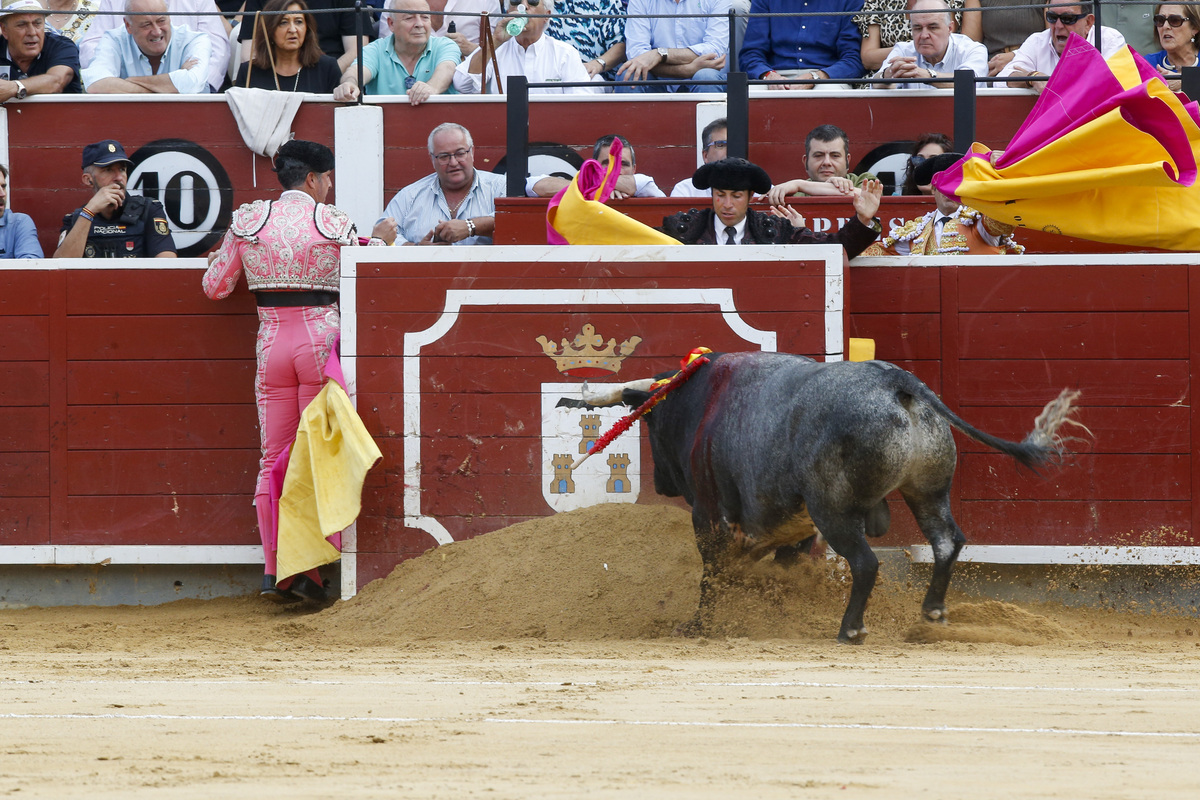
x: 358, y: 39
x: 1096, y: 25
x: 964, y: 109
x: 731, y: 59
x: 1189, y: 82
x: 737, y: 114
x: 517, y: 160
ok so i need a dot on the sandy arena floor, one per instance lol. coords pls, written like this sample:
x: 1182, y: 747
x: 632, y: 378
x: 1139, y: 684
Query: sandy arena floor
x: 538, y: 662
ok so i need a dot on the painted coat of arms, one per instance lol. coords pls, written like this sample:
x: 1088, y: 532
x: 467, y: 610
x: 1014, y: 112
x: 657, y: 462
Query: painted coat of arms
x: 613, y: 476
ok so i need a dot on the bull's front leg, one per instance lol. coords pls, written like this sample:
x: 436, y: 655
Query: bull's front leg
x: 713, y: 538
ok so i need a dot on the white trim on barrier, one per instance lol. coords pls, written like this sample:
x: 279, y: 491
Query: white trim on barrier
x: 84, y: 555
x: 1065, y: 555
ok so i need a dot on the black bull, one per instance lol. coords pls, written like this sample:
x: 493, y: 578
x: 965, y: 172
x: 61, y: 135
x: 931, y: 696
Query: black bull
x: 764, y: 446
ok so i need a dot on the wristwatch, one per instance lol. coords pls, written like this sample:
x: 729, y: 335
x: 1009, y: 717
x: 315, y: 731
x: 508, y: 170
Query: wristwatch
x: 932, y: 74
x: 662, y: 52
x: 21, y: 90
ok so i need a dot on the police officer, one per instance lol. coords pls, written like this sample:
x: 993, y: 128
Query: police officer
x: 113, y: 224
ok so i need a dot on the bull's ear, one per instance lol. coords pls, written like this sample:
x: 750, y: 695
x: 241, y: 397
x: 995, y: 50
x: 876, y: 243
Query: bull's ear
x: 634, y: 397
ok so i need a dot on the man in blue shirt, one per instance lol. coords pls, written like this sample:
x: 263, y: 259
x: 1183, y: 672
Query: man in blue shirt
x: 18, y: 236
x: 675, y: 47
x: 149, y: 55
x: 31, y: 60
x: 412, y: 61
x: 802, y: 46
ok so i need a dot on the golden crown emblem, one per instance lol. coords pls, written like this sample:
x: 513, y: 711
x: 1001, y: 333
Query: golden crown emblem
x: 585, y: 358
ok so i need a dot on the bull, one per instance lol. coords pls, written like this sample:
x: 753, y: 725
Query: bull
x: 769, y: 449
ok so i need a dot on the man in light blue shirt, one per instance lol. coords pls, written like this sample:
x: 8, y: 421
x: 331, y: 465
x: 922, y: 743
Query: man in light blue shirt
x: 149, y: 55
x: 675, y: 47
x: 454, y: 205
x: 412, y: 61
x: 18, y: 235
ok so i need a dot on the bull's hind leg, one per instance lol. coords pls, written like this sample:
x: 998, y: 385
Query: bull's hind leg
x: 846, y: 534
x: 937, y: 523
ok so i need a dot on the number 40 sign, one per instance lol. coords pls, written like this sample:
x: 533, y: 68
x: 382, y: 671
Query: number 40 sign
x: 191, y: 185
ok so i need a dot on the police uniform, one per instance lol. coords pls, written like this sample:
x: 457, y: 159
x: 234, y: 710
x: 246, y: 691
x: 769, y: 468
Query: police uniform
x: 139, y: 231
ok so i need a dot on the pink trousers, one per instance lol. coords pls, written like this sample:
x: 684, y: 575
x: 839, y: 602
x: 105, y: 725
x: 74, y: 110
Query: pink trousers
x: 293, y: 346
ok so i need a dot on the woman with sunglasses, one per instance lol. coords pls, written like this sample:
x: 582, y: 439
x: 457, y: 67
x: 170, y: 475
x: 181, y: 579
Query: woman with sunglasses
x: 285, y: 55
x: 1177, y: 27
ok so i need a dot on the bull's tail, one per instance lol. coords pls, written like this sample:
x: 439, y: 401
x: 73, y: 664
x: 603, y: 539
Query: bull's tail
x: 1045, y: 444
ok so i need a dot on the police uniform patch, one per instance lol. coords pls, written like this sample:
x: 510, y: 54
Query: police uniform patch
x: 160, y: 226
x: 89, y: 251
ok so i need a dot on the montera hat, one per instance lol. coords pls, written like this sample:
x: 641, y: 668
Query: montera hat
x: 317, y: 157
x: 101, y: 154
x: 923, y: 173
x: 733, y: 174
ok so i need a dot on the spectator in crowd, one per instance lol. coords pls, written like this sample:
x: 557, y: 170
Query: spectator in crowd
x: 1040, y: 53
x: 1135, y: 22
x: 935, y: 50
x: 410, y: 61
x: 715, y: 145
x: 950, y: 229
x: 71, y: 18
x: 539, y: 58
x: 600, y: 42
x: 198, y: 15
x: 462, y: 27
x: 1006, y: 28
x: 730, y: 220
x: 335, y: 31
x: 881, y: 31
x: 817, y: 48
x: 149, y: 55
x: 1178, y: 28
x: 113, y: 223
x: 30, y: 61
x: 454, y: 205
x: 667, y: 48
x: 631, y: 183
x: 926, y: 147
x: 285, y: 54
x: 827, y: 161
x: 18, y: 235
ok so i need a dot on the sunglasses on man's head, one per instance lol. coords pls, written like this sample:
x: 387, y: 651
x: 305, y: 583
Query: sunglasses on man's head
x: 1174, y: 20
x: 1065, y: 19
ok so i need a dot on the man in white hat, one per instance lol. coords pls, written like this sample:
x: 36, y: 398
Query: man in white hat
x: 30, y: 61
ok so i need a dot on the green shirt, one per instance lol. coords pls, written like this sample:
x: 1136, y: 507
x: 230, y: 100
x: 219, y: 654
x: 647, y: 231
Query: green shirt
x: 388, y: 73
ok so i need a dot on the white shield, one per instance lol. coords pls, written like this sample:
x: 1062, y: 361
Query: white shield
x: 611, y: 476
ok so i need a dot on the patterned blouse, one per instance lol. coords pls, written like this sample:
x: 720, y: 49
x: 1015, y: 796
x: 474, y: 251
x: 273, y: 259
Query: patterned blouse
x: 591, y: 37
x: 893, y: 27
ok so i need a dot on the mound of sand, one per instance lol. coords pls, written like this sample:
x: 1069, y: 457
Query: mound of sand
x: 991, y: 621
x: 607, y: 572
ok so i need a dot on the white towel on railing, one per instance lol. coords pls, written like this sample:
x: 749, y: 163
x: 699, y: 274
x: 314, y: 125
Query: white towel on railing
x: 264, y: 117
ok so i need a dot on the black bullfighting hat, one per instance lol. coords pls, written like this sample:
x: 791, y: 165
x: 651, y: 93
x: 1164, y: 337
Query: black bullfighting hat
x: 101, y: 154
x: 733, y: 174
x: 317, y: 157
x: 924, y: 172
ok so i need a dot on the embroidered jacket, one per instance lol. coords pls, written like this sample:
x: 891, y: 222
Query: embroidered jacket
x: 967, y: 231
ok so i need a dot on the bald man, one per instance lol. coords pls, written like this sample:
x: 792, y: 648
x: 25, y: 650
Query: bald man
x: 149, y: 55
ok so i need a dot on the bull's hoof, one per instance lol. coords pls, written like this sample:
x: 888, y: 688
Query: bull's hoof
x: 938, y: 615
x: 853, y: 636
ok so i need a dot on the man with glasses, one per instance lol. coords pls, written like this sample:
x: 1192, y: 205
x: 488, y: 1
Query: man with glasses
x: 715, y: 138
x: 1041, y: 51
x: 630, y: 182
x: 411, y: 61
x: 541, y: 59
x: 454, y: 205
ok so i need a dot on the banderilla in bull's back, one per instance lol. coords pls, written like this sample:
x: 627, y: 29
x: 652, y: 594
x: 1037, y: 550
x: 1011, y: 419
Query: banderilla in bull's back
x: 770, y: 449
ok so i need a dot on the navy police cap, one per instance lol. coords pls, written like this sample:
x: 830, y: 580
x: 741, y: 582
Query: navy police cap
x: 101, y: 154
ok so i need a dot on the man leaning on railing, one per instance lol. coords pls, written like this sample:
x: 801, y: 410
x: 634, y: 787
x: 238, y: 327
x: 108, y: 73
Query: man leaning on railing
x: 817, y: 48
x: 667, y: 47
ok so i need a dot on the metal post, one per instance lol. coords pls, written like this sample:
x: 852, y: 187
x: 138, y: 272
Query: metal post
x: 964, y: 109
x: 737, y: 114
x: 517, y: 159
x: 358, y: 39
x: 1096, y: 26
x: 731, y: 59
x: 1189, y: 82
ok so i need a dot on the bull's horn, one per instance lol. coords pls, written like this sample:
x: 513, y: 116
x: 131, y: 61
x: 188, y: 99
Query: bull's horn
x: 609, y: 394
